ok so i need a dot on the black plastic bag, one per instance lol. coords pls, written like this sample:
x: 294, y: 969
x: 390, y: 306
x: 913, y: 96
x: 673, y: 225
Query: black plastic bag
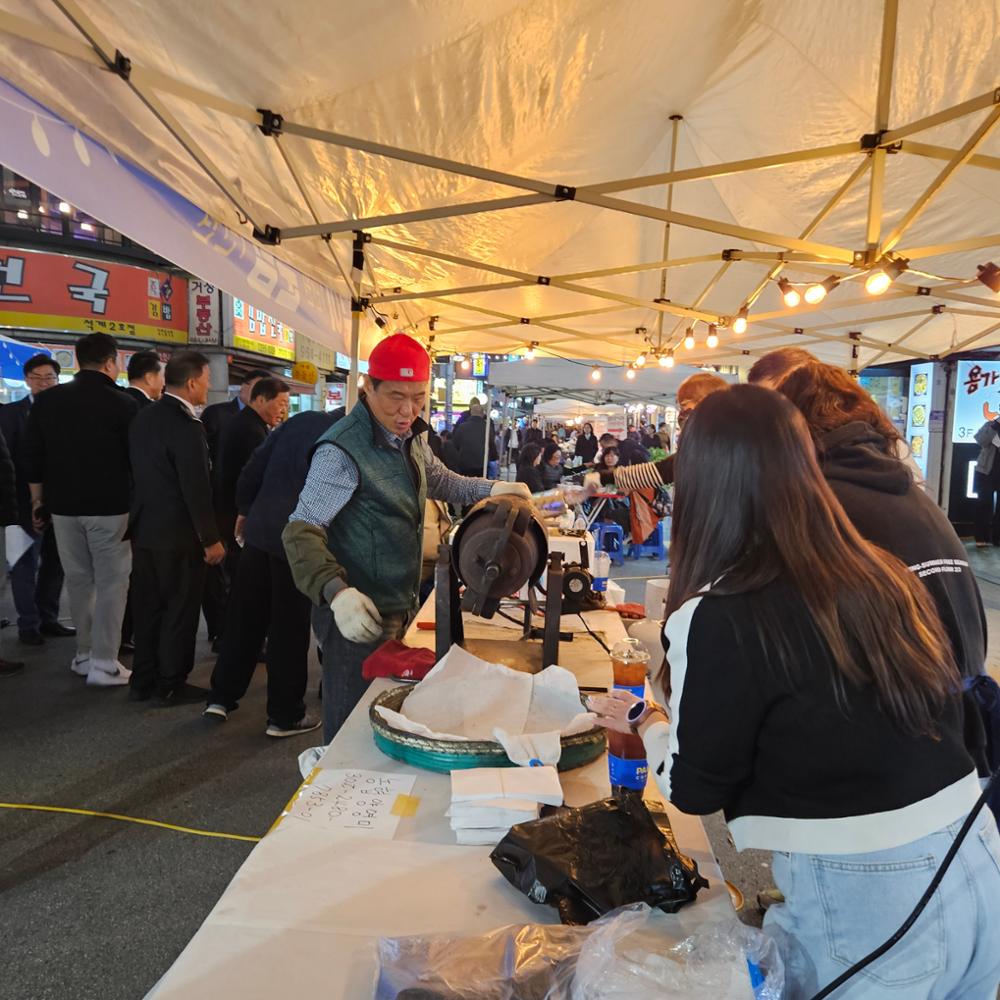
x: 589, y: 861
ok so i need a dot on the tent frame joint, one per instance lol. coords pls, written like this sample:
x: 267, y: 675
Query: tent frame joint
x: 543, y: 280
x: 122, y: 65
x: 271, y: 123
x: 269, y: 235
x: 359, y: 303
x: 564, y: 192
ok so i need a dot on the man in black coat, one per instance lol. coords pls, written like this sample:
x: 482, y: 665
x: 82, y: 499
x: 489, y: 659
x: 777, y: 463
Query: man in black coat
x: 173, y: 531
x: 240, y: 438
x: 145, y: 377
x: 264, y: 602
x: 78, y: 473
x: 471, y: 439
x: 215, y: 419
x: 36, y: 578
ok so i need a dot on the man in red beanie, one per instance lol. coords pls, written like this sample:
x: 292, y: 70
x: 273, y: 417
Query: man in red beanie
x: 355, y: 540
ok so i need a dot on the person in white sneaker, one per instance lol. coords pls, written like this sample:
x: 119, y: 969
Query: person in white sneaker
x: 78, y: 473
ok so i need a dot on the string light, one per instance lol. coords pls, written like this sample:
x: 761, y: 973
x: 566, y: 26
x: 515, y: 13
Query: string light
x: 666, y: 360
x: 712, y: 340
x: 530, y: 352
x: 884, y: 275
x: 816, y: 293
x: 689, y: 339
x: 629, y: 373
x: 989, y: 275
x: 789, y: 293
x: 595, y: 374
x: 640, y: 361
x: 465, y: 365
x: 740, y: 323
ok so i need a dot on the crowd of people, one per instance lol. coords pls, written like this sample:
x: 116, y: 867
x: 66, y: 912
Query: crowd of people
x: 822, y: 617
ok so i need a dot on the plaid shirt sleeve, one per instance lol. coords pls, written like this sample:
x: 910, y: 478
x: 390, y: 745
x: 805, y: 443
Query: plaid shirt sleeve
x: 331, y: 482
x: 443, y: 484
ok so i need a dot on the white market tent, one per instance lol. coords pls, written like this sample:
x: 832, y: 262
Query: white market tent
x: 562, y: 382
x: 563, y: 172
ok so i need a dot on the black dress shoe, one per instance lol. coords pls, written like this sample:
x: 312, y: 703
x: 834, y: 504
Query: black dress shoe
x: 10, y: 667
x: 183, y: 694
x: 126, y: 648
x: 57, y: 630
x: 31, y: 637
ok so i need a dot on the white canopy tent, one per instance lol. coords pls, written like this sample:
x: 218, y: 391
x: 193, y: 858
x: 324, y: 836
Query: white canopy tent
x: 554, y: 379
x: 590, y: 177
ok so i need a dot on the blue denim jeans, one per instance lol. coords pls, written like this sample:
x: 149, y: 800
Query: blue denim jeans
x: 838, y: 908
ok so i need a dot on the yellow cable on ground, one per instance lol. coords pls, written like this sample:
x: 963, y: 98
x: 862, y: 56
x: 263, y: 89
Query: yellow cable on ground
x: 128, y: 819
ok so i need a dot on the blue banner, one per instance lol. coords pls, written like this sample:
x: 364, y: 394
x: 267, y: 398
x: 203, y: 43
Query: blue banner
x: 59, y: 158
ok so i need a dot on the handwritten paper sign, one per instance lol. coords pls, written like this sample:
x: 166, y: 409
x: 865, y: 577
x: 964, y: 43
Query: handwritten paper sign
x: 355, y: 801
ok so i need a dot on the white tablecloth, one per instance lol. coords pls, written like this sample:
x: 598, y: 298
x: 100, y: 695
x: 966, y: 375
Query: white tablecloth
x: 301, y: 916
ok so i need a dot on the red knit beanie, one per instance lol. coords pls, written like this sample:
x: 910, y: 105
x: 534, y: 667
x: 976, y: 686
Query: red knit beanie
x: 399, y: 358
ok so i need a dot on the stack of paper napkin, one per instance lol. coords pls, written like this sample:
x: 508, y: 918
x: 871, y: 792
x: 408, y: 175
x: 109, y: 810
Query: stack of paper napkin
x: 487, y: 801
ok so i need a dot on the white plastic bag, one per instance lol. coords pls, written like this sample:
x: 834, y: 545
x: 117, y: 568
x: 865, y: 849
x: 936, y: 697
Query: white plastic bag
x: 630, y: 954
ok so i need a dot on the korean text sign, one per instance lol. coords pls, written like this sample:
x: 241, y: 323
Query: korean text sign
x: 253, y: 330
x: 58, y: 292
x: 977, y: 398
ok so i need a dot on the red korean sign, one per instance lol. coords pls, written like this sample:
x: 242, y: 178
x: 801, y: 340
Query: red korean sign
x: 61, y: 293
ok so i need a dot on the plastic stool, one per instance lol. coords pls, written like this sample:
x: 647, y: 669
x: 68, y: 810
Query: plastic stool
x: 653, y: 547
x: 604, y: 531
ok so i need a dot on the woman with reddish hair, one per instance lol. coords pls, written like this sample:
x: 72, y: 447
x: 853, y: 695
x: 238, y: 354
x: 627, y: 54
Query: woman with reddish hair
x: 857, y: 446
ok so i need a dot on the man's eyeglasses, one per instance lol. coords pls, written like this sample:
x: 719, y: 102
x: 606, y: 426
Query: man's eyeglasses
x: 43, y: 379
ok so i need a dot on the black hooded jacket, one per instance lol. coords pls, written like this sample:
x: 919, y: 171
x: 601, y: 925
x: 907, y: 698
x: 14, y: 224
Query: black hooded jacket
x: 882, y: 501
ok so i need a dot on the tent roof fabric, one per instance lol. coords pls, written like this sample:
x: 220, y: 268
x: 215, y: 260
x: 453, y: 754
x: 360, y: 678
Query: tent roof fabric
x: 532, y: 121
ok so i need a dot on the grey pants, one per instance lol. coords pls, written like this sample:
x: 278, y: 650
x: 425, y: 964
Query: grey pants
x: 343, y: 685
x: 97, y: 561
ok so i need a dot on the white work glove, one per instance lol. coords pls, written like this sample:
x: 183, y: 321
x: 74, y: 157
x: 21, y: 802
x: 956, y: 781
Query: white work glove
x: 510, y: 489
x: 356, y: 616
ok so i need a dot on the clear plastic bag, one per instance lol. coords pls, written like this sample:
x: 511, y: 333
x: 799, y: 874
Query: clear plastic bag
x: 630, y: 954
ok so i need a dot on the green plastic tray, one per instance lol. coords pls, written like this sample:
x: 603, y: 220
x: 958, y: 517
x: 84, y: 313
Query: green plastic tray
x: 449, y: 755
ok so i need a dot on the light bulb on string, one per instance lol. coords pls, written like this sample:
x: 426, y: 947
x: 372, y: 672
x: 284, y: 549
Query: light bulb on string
x: 689, y: 339
x: 816, y: 293
x: 712, y: 340
x: 629, y: 373
x: 789, y: 293
x: 667, y: 360
x: 879, y: 280
x: 465, y: 365
x: 640, y: 361
x: 740, y: 323
x: 595, y: 374
x: 530, y: 352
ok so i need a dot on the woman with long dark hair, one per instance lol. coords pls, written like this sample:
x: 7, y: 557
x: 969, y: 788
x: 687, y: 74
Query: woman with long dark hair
x: 814, y: 699
x: 528, y: 470
x: 586, y: 444
x: 551, y: 467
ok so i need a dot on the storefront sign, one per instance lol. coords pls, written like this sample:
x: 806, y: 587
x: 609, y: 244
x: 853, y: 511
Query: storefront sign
x: 253, y: 330
x: 323, y: 357
x: 205, y: 311
x: 62, y: 293
x: 977, y: 398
